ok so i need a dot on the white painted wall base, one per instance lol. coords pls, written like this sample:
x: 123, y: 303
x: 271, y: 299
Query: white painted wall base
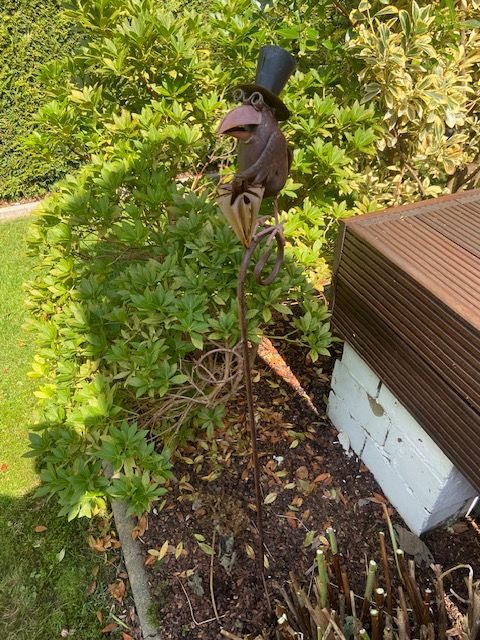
x: 415, y: 475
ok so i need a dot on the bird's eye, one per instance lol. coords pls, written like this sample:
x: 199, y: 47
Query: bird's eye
x: 256, y: 99
x: 239, y: 95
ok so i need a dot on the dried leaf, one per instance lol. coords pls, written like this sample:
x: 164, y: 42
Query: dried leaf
x: 270, y: 498
x: 291, y: 519
x: 378, y: 498
x: 250, y: 552
x: 99, y: 616
x: 163, y: 550
x: 109, y: 628
x: 309, y: 538
x: 126, y: 636
x: 211, y: 477
x: 141, y: 527
x: 306, y: 515
x: 322, y: 477
x: 117, y: 590
x: 99, y: 544
x: 324, y: 542
x: 40, y: 528
x: 302, y: 473
x: 92, y: 586
x: 178, y: 550
x: 184, y: 574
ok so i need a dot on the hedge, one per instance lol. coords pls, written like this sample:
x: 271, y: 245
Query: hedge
x: 32, y: 32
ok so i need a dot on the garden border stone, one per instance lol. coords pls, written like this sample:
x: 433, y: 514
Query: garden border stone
x: 135, y: 568
x: 12, y: 212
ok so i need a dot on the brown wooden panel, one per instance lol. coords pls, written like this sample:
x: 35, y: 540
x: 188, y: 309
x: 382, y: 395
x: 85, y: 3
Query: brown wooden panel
x: 407, y: 298
x: 444, y: 415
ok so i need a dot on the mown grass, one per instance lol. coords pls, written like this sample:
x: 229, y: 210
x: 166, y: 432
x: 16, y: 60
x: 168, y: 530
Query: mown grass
x: 44, y: 576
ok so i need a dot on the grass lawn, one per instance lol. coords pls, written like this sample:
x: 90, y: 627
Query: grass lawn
x: 44, y: 576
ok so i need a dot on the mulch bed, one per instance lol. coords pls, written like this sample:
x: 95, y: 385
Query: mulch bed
x: 308, y: 483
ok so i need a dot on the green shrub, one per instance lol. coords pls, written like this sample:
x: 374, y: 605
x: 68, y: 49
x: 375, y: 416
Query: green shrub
x: 134, y: 298
x: 420, y: 69
x: 32, y: 32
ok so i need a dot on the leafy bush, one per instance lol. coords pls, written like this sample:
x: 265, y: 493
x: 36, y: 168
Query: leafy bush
x: 420, y: 69
x: 134, y: 298
x: 31, y: 33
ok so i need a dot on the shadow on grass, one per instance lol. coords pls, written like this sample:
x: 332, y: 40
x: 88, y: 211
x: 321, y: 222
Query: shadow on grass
x: 46, y: 576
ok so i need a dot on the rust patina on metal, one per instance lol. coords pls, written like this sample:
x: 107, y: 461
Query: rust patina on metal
x: 407, y: 298
x: 262, y: 170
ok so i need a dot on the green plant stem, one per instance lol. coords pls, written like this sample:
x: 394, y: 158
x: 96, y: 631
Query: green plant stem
x: 393, y: 538
x: 322, y: 579
x: 372, y: 569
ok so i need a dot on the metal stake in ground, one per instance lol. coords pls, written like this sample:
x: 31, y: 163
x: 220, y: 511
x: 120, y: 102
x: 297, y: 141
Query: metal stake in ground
x: 262, y: 169
x: 268, y: 234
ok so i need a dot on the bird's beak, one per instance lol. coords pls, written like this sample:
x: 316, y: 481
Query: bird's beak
x: 240, y: 123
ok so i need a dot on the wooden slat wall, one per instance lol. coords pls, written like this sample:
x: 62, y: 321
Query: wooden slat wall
x: 407, y: 298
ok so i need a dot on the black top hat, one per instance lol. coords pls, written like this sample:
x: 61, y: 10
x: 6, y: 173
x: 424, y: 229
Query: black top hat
x: 274, y: 67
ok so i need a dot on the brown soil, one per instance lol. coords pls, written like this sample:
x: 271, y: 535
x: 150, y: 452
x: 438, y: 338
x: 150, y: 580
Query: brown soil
x: 311, y: 484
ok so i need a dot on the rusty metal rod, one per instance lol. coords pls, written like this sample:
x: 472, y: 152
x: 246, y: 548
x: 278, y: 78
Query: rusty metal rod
x: 268, y: 233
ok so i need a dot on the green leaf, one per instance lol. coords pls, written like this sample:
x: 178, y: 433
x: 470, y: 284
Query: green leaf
x: 206, y: 548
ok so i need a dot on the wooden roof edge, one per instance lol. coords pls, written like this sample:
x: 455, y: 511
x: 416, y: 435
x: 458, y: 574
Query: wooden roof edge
x: 411, y: 208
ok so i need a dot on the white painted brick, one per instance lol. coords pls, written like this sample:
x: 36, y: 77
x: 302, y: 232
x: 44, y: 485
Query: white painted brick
x: 415, y: 475
x: 460, y: 487
x: 360, y: 370
x: 366, y: 411
x: 443, y: 514
x: 339, y: 414
x: 393, y: 485
x: 417, y: 437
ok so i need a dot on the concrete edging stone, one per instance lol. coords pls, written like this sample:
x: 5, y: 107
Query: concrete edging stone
x: 12, y: 212
x: 135, y: 568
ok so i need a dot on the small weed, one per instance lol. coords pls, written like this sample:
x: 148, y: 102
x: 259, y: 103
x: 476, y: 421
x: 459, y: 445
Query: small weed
x: 160, y: 595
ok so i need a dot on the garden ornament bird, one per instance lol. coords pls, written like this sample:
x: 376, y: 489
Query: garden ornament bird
x: 262, y: 170
x: 264, y: 157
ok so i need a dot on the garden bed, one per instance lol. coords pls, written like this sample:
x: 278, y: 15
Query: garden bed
x: 309, y: 484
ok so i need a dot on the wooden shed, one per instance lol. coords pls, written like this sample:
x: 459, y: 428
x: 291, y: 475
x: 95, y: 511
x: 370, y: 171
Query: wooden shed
x: 407, y: 299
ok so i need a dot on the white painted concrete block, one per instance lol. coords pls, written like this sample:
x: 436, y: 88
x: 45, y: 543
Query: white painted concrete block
x: 414, y: 433
x: 416, y: 476
x: 360, y: 370
x: 339, y: 414
x: 395, y: 488
x: 362, y: 407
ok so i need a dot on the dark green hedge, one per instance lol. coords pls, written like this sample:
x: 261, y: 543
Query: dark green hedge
x: 32, y: 32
